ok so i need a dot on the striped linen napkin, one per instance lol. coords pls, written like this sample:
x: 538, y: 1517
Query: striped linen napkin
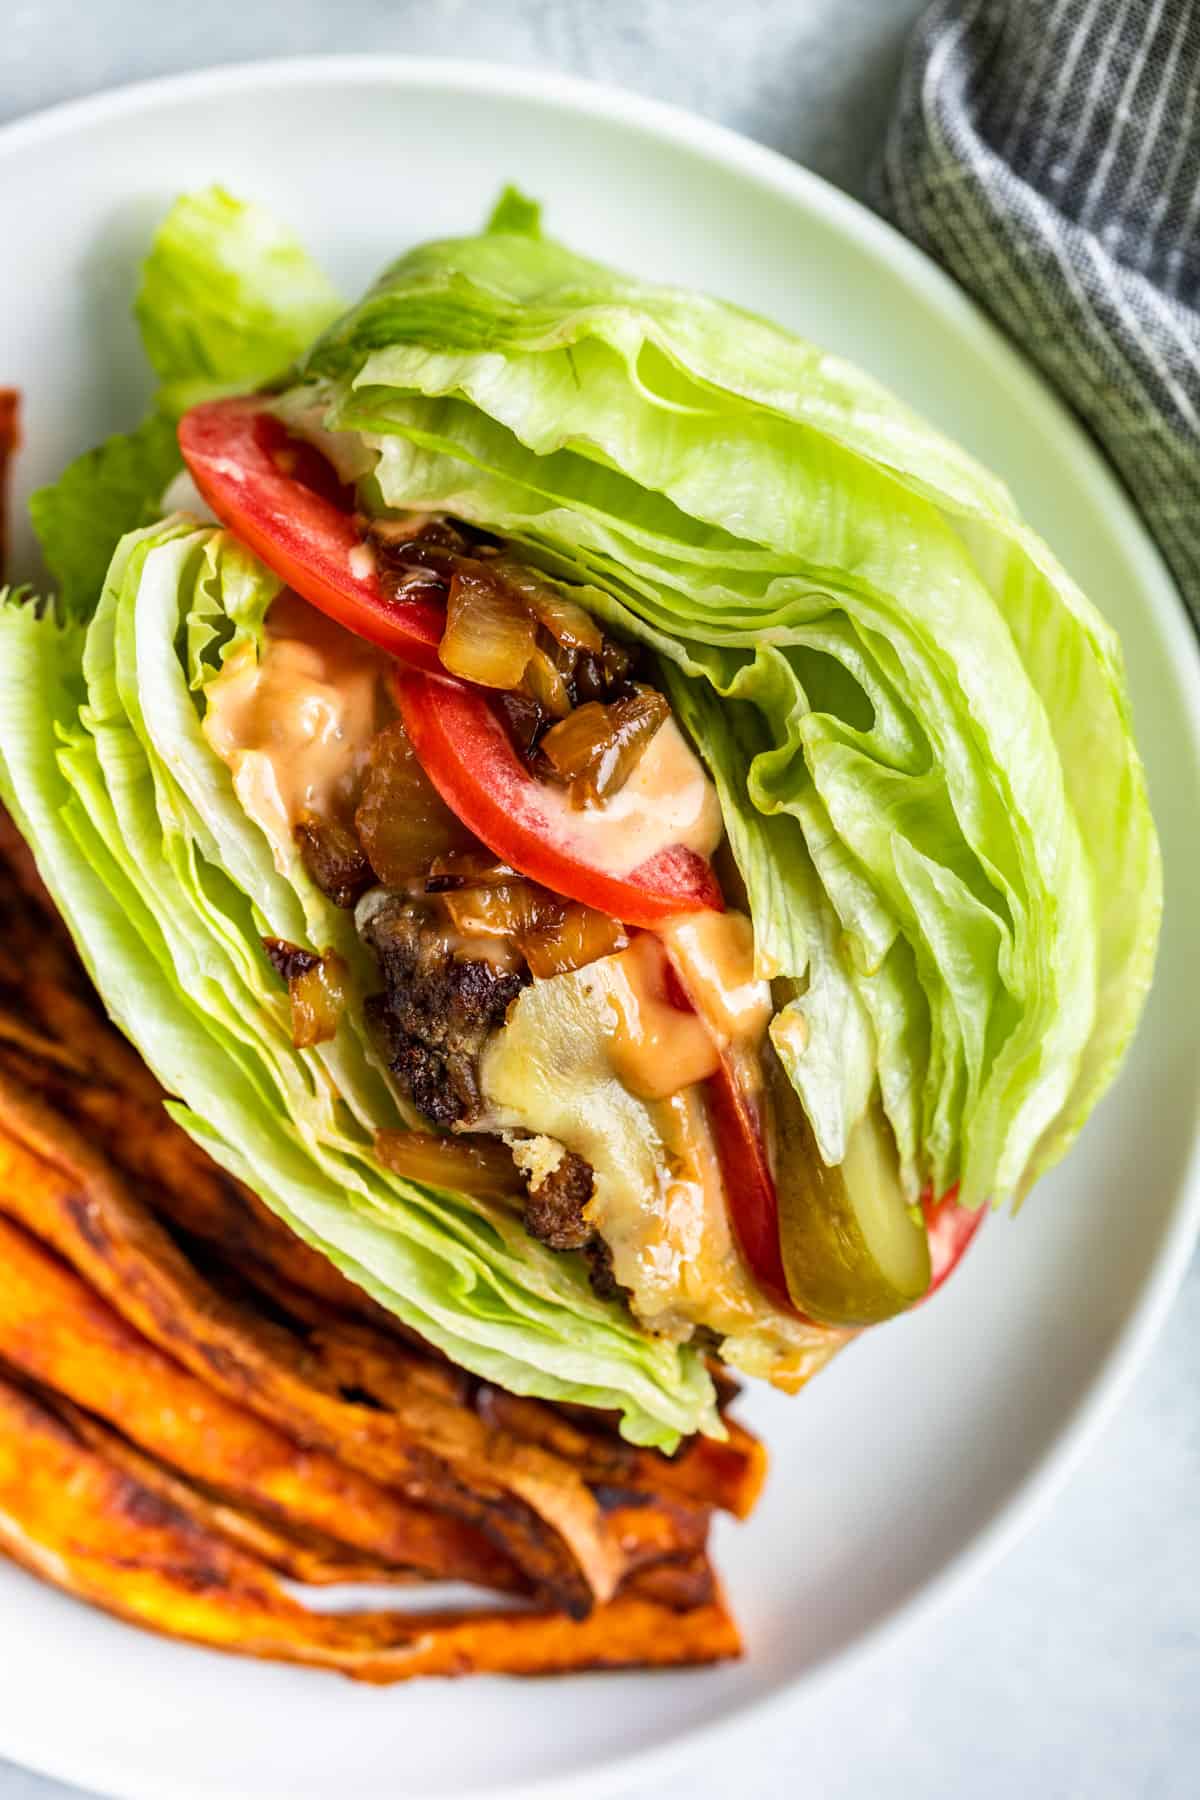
x: 1047, y: 152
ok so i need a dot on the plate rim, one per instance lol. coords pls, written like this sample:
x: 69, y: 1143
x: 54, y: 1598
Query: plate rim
x: 1030, y: 1499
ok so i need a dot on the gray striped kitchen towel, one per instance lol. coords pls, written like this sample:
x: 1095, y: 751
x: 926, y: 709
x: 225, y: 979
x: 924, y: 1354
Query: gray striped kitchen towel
x: 1048, y: 153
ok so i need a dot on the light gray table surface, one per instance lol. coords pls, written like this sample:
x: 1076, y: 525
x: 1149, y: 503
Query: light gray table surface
x: 1074, y: 1669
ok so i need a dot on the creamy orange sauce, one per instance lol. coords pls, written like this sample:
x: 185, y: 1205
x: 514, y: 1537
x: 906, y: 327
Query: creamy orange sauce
x: 655, y: 1048
x: 668, y: 799
x: 293, y: 724
x: 714, y: 955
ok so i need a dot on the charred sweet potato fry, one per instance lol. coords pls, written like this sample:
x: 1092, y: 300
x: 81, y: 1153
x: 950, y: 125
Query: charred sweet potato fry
x: 19, y: 878
x: 77, y: 1520
x: 186, y: 1186
x: 91, y: 1528
x: 55, y: 1329
x: 647, y: 1524
x: 631, y: 1632
x: 307, y: 1559
x: 727, y: 1475
x: 653, y: 1528
x: 679, y: 1585
x: 533, y: 1506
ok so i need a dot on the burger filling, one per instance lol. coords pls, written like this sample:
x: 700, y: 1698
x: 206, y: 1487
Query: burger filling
x: 542, y: 1051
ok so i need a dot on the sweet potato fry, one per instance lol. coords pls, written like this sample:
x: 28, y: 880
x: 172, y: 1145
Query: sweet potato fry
x: 648, y: 1526
x: 37, y: 1054
x: 19, y: 878
x: 187, y: 1187
x: 70, y: 1018
x: 36, y: 949
x: 130, y: 1125
x: 679, y: 1585
x: 727, y: 1475
x: 91, y: 1528
x: 631, y: 1632
x: 653, y: 1529
x: 533, y: 1506
x: 56, y: 1330
x: 306, y: 1560
x: 648, y: 1523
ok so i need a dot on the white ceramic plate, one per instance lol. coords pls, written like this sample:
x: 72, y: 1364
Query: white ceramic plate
x: 929, y: 1446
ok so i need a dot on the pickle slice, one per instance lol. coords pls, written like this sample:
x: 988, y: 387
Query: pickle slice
x: 852, y: 1253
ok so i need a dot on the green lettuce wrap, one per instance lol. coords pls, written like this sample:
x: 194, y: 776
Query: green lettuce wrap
x: 917, y: 725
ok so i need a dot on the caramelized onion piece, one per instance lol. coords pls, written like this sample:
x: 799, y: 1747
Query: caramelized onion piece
x: 466, y: 868
x: 525, y: 721
x: 479, y: 1166
x: 546, y: 685
x: 596, y: 749
x: 553, y: 935
x: 565, y: 620
x: 316, y: 988
x: 392, y: 529
x: 333, y: 858
x: 583, y: 936
x: 490, y: 634
x: 615, y: 661
x: 403, y: 824
x: 588, y: 678
x: 508, y: 909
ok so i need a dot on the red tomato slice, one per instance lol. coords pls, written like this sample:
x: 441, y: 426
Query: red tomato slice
x: 281, y: 499
x: 10, y: 443
x: 749, y: 1184
x: 951, y: 1229
x: 745, y: 1171
x: 467, y: 754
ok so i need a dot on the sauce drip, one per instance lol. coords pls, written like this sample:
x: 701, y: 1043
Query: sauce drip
x: 293, y: 723
x: 655, y: 1048
x: 714, y: 956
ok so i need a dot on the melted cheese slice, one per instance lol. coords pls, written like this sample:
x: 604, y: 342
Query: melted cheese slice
x: 555, y: 1069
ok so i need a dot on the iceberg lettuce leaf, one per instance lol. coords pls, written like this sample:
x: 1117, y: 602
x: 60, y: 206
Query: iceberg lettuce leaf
x: 228, y: 299
x: 917, y: 725
x: 80, y: 518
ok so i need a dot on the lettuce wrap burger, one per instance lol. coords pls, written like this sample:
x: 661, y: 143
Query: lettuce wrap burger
x: 609, y: 823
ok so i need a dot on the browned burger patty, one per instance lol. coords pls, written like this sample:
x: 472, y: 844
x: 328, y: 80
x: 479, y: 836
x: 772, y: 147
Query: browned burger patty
x: 436, y: 1009
x: 554, y: 1211
x: 431, y: 1022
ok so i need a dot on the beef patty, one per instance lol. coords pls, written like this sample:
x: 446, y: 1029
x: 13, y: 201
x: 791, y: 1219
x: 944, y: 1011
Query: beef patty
x: 436, y: 1009
x: 431, y: 1022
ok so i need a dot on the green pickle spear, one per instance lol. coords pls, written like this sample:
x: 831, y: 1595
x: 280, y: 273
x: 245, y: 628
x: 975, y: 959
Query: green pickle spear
x: 852, y: 1252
